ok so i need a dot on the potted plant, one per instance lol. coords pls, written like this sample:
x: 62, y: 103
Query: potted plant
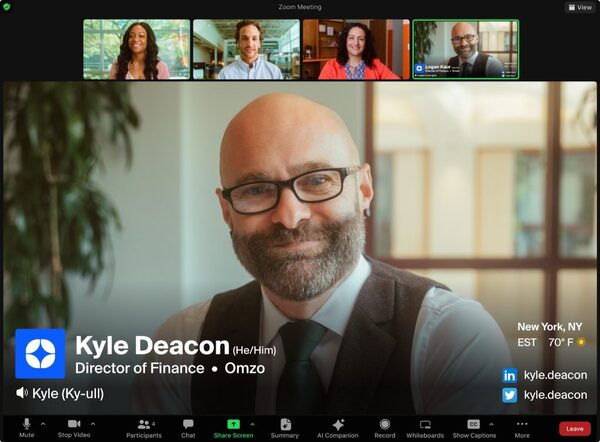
x: 423, y: 44
x: 56, y: 220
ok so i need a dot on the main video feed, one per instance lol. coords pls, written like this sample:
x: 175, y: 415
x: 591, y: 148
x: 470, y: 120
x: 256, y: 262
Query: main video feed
x: 480, y: 49
x: 300, y: 248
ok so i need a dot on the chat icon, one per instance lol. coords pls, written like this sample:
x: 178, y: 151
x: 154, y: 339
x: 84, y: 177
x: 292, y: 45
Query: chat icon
x: 188, y: 423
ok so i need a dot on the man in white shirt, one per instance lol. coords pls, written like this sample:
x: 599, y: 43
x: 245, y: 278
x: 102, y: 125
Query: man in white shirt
x: 469, y: 62
x: 250, y: 65
x: 388, y: 341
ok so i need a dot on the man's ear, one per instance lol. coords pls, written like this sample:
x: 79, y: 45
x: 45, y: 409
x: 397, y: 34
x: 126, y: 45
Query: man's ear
x: 225, y: 208
x: 365, y: 186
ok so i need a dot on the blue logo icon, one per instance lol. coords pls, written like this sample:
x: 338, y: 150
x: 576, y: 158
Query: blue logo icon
x: 419, y: 68
x: 40, y: 353
x: 509, y: 375
x: 510, y: 395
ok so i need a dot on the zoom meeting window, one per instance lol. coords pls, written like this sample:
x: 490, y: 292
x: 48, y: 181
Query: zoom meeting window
x: 304, y: 259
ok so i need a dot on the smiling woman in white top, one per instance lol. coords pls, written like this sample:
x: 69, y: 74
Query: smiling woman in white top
x: 138, y: 59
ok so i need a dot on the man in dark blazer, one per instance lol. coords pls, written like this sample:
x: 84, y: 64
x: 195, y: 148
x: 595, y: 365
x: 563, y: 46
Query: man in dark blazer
x: 469, y: 61
x: 325, y: 329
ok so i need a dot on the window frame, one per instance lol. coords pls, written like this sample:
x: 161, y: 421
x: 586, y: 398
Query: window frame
x: 550, y: 263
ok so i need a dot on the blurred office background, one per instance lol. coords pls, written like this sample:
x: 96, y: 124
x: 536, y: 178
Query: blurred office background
x: 491, y: 188
x: 488, y: 187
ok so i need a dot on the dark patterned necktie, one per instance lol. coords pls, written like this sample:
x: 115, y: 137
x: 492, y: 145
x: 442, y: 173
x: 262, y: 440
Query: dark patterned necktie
x: 300, y: 390
x: 465, y: 70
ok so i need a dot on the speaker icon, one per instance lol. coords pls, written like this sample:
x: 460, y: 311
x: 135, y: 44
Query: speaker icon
x: 22, y: 392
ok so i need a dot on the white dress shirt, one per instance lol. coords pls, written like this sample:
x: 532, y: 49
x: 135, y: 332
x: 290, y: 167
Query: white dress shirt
x: 458, y: 353
x: 260, y: 70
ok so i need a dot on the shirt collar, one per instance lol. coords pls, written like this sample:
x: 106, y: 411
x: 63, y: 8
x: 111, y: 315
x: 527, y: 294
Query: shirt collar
x: 471, y: 59
x: 243, y: 66
x: 333, y: 314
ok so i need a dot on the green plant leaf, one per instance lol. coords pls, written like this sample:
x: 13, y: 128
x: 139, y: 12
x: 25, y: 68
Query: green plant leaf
x: 53, y: 130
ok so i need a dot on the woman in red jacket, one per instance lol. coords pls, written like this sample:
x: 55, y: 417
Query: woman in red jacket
x: 356, y: 58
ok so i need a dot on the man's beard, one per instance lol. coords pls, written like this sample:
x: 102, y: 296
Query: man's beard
x: 301, y: 275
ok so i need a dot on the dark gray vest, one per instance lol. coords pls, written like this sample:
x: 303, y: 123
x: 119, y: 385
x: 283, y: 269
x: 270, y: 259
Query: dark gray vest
x: 372, y: 370
x: 478, y: 69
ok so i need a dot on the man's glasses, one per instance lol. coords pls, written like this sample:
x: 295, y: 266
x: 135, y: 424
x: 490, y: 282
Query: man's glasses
x: 469, y: 38
x: 314, y: 186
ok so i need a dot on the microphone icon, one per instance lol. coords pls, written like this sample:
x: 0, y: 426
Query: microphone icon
x: 26, y: 423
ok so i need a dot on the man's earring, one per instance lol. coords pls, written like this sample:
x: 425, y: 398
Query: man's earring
x: 367, y: 212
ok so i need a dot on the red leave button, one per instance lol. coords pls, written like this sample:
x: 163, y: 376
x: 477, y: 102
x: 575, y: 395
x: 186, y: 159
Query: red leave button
x: 575, y: 428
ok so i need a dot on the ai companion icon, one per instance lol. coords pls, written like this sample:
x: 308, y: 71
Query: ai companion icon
x: 40, y: 353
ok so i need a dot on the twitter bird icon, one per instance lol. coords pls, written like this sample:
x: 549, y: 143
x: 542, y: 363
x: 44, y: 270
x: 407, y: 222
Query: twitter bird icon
x: 510, y: 395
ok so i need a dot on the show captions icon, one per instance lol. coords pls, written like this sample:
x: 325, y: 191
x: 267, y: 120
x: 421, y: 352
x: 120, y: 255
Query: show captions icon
x: 473, y: 424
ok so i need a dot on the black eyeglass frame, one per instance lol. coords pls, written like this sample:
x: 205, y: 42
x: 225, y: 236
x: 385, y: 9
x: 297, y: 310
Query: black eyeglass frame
x: 343, y: 171
x: 465, y: 37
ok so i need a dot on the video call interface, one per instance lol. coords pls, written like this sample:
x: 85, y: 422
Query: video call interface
x: 299, y: 221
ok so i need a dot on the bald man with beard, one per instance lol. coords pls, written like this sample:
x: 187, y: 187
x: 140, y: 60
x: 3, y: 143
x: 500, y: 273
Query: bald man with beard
x: 295, y: 196
x: 469, y: 62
